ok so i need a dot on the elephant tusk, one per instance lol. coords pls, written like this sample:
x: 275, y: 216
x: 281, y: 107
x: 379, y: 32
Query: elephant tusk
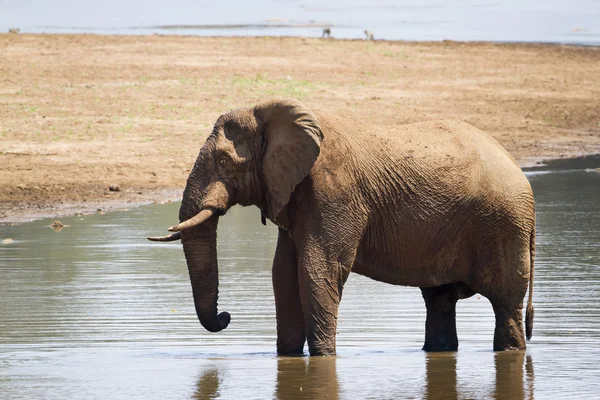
x: 168, y: 238
x: 192, y: 222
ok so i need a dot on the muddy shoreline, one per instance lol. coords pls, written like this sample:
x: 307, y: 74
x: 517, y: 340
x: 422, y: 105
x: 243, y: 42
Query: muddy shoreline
x: 79, y: 113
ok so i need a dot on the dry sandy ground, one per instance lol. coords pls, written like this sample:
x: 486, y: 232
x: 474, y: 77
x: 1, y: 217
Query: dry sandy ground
x: 81, y: 112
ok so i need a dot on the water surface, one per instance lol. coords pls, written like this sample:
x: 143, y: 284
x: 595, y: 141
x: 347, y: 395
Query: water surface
x: 96, y: 311
x: 562, y: 21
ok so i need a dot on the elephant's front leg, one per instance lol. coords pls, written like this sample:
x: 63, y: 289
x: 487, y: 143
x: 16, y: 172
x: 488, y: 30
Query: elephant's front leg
x: 290, y: 320
x: 440, y: 325
x: 321, y: 279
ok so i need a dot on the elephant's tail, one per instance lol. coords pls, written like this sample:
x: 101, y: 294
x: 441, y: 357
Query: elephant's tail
x: 529, y: 312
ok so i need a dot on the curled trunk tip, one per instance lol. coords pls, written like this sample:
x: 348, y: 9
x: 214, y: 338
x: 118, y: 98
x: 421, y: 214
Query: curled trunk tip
x: 223, y: 320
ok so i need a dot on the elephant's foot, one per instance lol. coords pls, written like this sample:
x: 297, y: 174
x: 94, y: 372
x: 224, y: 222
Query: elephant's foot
x: 290, y: 333
x: 321, y: 349
x: 292, y: 345
x: 299, y: 352
x: 509, y: 334
x: 321, y: 338
x: 440, y: 326
x: 441, y: 341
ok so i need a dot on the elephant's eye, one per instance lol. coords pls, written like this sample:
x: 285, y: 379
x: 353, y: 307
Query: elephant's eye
x: 222, y: 162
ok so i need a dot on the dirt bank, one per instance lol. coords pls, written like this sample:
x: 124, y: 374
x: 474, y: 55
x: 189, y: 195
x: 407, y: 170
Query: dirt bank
x: 81, y: 112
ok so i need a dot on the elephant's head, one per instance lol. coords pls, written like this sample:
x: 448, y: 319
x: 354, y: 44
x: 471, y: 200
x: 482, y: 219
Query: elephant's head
x: 253, y: 156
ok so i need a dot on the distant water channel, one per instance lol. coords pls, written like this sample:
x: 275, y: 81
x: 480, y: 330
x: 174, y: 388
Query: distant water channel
x: 559, y: 21
x: 96, y: 311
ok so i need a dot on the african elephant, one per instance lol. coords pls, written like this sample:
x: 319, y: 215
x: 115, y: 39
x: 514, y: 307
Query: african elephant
x: 436, y: 205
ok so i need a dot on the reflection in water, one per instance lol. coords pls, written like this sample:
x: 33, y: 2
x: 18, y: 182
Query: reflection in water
x: 440, y: 376
x: 307, y: 378
x: 511, y: 381
x: 295, y: 378
x: 530, y: 375
x: 208, y: 385
x: 57, y: 226
x: 447, y: 376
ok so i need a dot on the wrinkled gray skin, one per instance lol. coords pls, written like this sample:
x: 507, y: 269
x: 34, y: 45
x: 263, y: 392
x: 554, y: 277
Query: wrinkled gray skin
x: 436, y: 205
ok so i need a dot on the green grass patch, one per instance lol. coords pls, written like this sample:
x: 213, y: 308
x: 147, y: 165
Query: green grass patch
x: 284, y: 87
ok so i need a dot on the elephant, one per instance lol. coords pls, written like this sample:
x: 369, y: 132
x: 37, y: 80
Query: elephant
x: 438, y: 205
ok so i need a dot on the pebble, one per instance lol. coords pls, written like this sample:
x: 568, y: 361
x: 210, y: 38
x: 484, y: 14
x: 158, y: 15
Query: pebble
x: 114, y: 188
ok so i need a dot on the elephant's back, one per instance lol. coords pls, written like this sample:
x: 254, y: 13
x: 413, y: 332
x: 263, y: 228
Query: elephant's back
x: 436, y: 161
x: 446, y: 138
x: 455, y: 150
x: 451, y: 165
x: 464, y: 168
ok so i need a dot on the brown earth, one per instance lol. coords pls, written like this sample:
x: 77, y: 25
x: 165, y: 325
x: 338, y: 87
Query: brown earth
x: 81, y: 112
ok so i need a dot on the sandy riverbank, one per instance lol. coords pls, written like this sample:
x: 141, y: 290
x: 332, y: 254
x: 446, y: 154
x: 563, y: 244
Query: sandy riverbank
x: 81, y: 112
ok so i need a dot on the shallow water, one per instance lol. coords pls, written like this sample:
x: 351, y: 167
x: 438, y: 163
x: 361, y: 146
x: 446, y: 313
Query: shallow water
x: 562, y: 21
x: 96, y: 311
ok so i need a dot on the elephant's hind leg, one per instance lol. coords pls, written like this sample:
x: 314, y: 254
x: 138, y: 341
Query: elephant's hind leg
x: 507, y: 282
x: 440, y: 326
x: 508, y: 334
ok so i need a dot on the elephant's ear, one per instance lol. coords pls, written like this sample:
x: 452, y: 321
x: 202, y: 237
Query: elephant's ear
x: 292, y: 141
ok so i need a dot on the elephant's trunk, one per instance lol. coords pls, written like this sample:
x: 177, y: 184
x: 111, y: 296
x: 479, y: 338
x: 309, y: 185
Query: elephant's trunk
x: 200, y: 248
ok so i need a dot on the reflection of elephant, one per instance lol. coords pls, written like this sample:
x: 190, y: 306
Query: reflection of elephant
x: 208, y: 385
x: 297, y: 378
x: 301, y: 378
x: 510, y: 382
x: 437, y: 205
x: 441, y: 377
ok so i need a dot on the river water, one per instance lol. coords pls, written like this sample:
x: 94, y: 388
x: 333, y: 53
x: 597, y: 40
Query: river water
x: 558, y: 21
x: 96, y: 311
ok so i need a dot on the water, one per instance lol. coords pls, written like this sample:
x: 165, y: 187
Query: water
x: 563, y: 21
x: 96, y: 311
